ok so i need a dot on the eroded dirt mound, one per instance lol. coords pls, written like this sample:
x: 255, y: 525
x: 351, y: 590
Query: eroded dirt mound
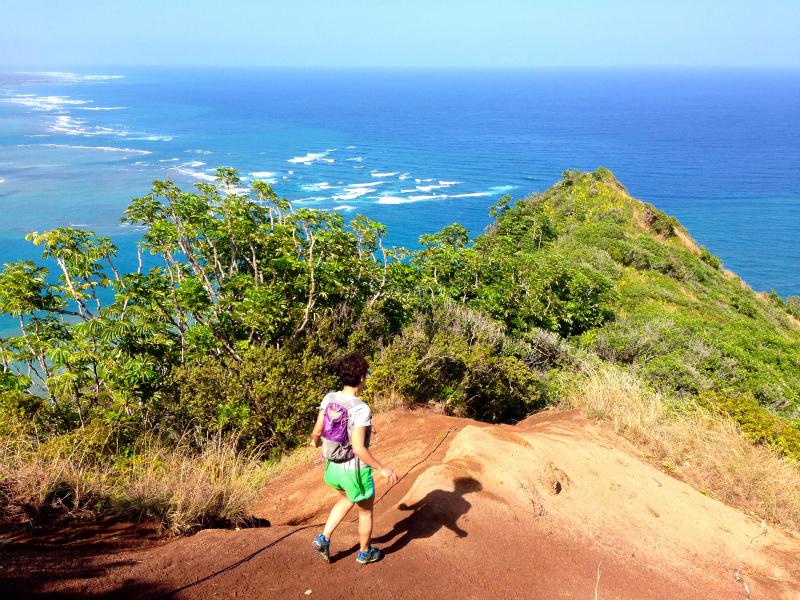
x: 555, y: 507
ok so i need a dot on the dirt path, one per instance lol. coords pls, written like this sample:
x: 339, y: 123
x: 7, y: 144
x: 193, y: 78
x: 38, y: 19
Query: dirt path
x: 531, y: 511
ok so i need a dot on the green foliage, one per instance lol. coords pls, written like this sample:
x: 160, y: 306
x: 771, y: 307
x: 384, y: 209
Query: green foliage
x: 760, y: 425
x: 463, y: 360
x: 710, y: 259
x: 239, y: 273
x: 269, y: 397
x: 791, y: 305
x: 235, y: 331
x: 660, y: 222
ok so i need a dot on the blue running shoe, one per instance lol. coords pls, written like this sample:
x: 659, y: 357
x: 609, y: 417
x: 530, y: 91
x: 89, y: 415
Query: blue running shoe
x: 371, y: 555
x: 322, y: 545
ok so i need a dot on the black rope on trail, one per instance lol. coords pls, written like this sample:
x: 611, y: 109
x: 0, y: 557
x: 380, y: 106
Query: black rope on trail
x: 241, y: 561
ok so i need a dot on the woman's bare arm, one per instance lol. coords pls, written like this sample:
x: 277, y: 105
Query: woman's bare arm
x: 363, y: 453
x: 316, y: 442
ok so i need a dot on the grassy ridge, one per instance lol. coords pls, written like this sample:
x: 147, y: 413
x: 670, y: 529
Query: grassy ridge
x: 681, y: 322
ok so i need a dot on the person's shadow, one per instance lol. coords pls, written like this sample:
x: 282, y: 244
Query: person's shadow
x: 438, y: 509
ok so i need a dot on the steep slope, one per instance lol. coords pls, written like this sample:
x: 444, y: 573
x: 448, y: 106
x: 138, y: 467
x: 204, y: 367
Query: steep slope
x: 554, y: 507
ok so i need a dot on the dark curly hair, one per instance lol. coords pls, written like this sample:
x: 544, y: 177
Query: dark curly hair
x: 350, y: 368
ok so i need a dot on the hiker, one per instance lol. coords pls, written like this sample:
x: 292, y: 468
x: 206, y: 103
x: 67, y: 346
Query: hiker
x: 343, y: 429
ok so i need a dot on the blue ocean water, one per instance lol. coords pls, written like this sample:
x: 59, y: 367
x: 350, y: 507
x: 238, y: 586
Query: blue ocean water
x: 416, y: 150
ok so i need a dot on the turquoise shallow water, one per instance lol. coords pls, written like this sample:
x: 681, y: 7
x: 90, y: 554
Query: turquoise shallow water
x: 415, y: 150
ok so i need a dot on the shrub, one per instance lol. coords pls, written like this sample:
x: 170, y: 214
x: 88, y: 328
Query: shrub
x: 793, y: 305
x: 462, y: 360
x: 759, y: 425
x: 660, y: 222
x: 269, y: 397
x: 709, y: 258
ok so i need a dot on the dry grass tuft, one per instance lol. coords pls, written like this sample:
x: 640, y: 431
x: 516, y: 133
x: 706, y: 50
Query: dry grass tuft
x: 708, y: 449
x: 181, y: 486
x: 383, y: 403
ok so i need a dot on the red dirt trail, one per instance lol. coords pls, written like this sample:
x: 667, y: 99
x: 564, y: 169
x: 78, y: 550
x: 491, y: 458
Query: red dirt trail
x: 537, y: 510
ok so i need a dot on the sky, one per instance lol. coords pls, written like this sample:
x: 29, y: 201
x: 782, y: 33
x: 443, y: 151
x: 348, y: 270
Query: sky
x: 54, y: 34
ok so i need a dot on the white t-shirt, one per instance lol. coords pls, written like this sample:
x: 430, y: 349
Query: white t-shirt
x: 359, y: 414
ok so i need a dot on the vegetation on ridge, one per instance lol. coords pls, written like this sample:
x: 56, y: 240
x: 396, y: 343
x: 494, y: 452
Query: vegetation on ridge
x: 231, y: 338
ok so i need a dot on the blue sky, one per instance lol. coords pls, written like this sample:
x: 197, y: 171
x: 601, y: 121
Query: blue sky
x: 399, y: 33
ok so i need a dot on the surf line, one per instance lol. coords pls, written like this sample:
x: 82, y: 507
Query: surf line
x: 241, y: 561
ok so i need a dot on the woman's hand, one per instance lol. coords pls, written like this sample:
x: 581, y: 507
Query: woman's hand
x: 390, y: 475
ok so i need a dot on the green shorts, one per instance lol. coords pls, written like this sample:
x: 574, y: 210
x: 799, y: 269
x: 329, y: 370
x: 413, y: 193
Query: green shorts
x: 356, y: 483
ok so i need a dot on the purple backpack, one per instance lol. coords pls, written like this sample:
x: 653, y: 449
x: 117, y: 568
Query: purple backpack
x: 335, y: 434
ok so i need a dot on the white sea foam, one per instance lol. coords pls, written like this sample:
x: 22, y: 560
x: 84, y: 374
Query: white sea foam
x: 352, y: 192
x: 309, y: 158
x: 502, y: 188
x: 394, y: 200
x: 344, y: 207
x: 59, y: 103
x: 237, y: 190
x: 473, y: 195
x: 317, y: 187
x: 151, y: 138
x: 261, y: 174
x: 433, y: 186
x: 385, y: 174
x: 199, y: 151
x: 431, y: 197
x: 68, y: 125
x: 404, y: 176
x: 193, y: 164
x: 327, y: 160
x: 369, y: 184
x: 74, y: 77
x: 348, y: 196
x: 350, y: 147
x: 356, y: 159
x: 185, y: 169
x: 358, y: 167
x: 167, y: 159
x: 44, y: 102
x: 104, y: 148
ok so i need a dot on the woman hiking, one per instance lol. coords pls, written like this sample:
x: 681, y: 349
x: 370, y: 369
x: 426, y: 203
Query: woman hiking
x: 343, y: 429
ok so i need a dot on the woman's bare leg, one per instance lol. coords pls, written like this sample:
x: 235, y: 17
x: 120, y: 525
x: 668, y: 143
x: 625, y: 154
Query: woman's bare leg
x: 365, y: 522
x: 338, y: 513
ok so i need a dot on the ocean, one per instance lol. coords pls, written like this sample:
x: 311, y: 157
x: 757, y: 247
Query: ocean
x: 415, y: 150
